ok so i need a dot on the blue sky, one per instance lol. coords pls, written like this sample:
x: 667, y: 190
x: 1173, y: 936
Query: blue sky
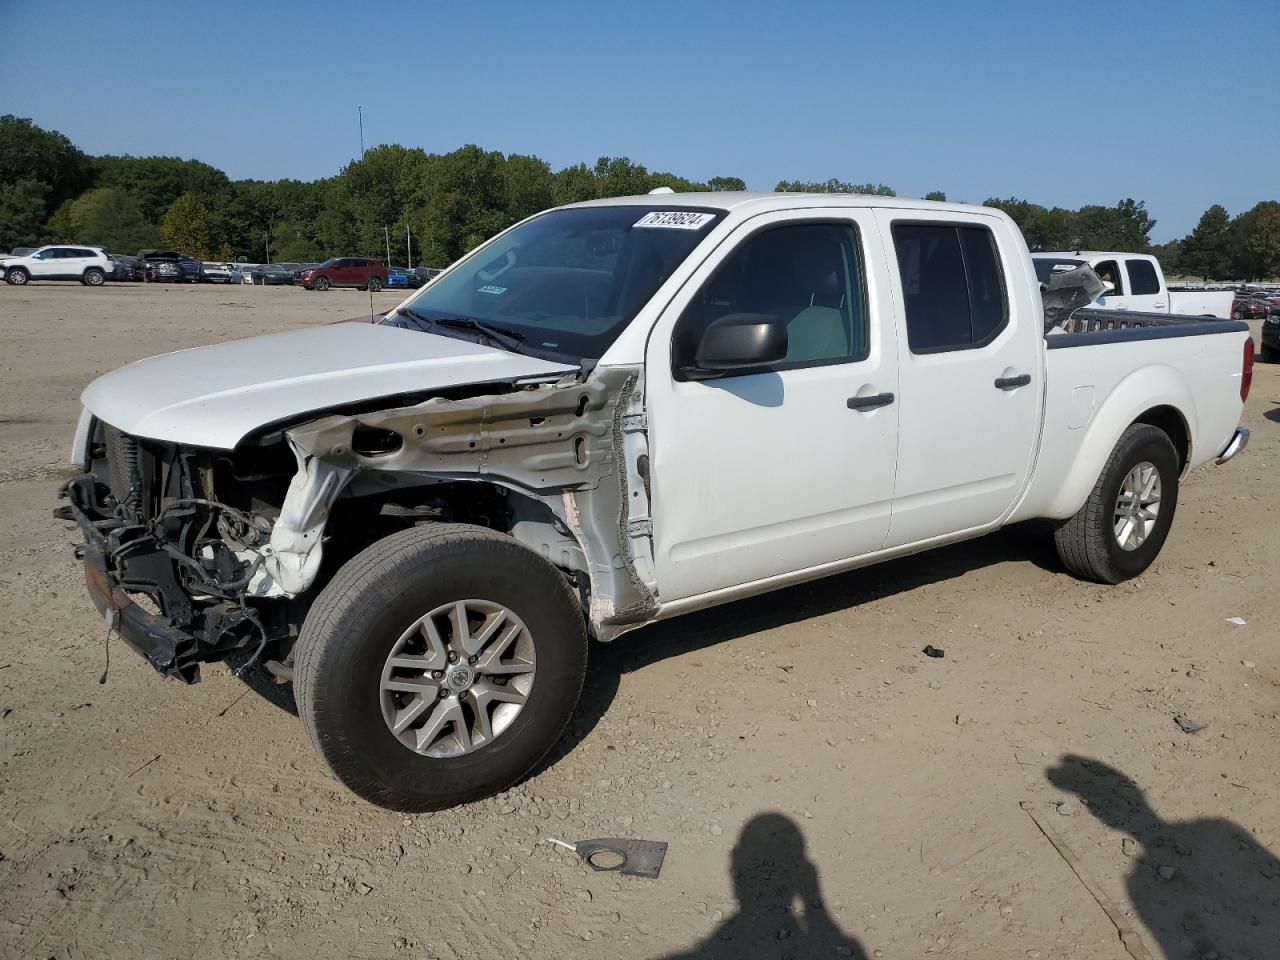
x: 1174, y: 103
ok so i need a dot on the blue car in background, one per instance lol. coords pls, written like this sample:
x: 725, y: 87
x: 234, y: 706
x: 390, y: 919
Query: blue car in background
x: 397, y: 277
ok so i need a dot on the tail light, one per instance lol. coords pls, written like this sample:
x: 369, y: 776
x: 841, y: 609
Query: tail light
x: 1246, y: 370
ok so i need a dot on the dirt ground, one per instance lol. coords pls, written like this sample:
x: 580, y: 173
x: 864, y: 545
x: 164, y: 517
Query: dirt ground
x: 825, y: 788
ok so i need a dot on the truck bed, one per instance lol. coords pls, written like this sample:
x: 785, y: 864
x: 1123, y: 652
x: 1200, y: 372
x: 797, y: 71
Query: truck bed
x: 1091, y: 325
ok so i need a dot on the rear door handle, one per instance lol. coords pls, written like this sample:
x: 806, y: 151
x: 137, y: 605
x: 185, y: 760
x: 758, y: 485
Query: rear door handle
x: 870, y: 403
x: 1012, y: 383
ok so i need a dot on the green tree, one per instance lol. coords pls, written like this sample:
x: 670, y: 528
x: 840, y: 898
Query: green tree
x: 156, y: 182
x: 1205, y: 251
x: 1126, y: 226
x: 936, y: 195
x: 22, y: 214
x: 29, y: 153
x: 530, y: 186
x: 1170, y: 257
x: 574, y: 184
x: 1255, y: 242
x: 834, y: 186
x: 109, y: 218
x: 189, y: 227
x: 1043, y: 229
x: 726, y: 183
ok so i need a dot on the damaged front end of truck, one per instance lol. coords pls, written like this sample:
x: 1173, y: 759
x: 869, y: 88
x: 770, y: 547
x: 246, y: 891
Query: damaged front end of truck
x: 199, y: 554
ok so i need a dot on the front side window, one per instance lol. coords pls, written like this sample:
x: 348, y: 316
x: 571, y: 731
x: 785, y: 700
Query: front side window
x: 952, y: 285
x: 1143, y: 281
x: 809, y: 276
x: 564, y: 284
x: 1109, y: 272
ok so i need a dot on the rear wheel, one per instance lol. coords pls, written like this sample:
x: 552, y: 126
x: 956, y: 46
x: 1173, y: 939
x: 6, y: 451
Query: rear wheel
x: 375, y: 284
x: 439, y: 666
x: 93, y: 277
x: 322, y: 283
x: 17, y: 276
x: 1122, y: 526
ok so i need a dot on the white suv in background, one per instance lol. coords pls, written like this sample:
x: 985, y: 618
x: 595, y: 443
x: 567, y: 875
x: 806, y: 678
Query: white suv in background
x: 90, y: 265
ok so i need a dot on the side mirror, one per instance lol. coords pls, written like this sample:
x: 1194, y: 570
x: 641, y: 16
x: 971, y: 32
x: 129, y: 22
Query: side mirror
x: 738, y: 341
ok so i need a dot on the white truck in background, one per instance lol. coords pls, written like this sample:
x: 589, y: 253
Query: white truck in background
x: 1134, y: 281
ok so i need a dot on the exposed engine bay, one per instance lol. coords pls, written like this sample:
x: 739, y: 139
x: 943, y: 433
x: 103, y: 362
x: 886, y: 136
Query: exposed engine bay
x: 195, y: 554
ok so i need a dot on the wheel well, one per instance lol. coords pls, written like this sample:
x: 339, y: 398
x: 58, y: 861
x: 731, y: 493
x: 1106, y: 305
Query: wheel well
x: 1170, y: 420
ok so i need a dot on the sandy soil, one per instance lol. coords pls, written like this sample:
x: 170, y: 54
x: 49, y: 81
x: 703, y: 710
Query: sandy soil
x: 826, y: 790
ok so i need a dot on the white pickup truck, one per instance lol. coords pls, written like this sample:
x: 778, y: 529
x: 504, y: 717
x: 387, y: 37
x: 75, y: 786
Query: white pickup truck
x: 610, y: 414
x: 1134, y: 281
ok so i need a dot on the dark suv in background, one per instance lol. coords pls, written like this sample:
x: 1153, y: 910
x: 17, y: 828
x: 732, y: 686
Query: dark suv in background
x: 159, y: 266
x: 345, y: 272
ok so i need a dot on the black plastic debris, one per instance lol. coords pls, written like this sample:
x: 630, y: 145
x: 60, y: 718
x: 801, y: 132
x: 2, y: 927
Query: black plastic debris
x: 636, y: 858
x: 931, y: 651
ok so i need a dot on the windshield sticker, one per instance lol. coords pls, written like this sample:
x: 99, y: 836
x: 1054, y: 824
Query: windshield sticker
x: 490, y: 288
x: 675, y: 220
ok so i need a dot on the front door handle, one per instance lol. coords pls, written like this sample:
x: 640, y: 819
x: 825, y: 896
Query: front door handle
x: 870, y: 403
x: 1012, y: 383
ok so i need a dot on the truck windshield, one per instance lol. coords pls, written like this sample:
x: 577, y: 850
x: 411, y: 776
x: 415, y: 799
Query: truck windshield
x: 1046, y: 267
x: 566, y: 283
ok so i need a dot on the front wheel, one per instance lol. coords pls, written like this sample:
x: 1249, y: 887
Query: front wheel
x: 322, y: 283
x: 1270, y: 354
x: 375, y: 284
x: 16, y: 276
x: 439, y: 666
x: 93, y: 277
x: 1120, y: 529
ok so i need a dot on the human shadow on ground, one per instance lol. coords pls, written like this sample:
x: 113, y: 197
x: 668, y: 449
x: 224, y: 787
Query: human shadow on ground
x: 1024, y: 542
x: 780, y: 907
x: 1203, y: 887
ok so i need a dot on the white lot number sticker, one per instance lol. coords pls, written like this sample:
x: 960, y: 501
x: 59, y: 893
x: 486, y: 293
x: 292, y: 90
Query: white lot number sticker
x: 491, y: 289
x: 675, y: 220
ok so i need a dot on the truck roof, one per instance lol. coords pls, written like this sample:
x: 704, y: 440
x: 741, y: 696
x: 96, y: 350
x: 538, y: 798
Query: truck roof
x: 762, y: 202
x: 1089, y: 254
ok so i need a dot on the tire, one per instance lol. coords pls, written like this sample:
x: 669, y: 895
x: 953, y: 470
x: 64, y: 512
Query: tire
x: 1088, y: 543
x: 17, y: 277
x: 322, y: 283
x: 1269, y: 354
x: 374, y: 284
x: 369, y: 610
x: 93, y: 277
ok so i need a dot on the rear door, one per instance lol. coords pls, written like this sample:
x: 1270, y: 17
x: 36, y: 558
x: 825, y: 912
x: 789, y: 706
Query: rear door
x: 969, y: 371
x: 1146, y: 292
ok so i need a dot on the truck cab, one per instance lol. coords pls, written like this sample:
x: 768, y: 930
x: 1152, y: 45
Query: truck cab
x: 1135, y: 281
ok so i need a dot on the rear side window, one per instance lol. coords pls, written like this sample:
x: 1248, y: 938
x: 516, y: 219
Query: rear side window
x: 1142, y: 278
x: 952, y: 285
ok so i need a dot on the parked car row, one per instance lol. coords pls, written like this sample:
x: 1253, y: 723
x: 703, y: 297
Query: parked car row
x: 1255, y: 303
x: 93, y: 266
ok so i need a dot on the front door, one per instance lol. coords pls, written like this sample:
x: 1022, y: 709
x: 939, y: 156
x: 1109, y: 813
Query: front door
x: 764, y: 472
x: 969, y: 371
x: 47, y: 263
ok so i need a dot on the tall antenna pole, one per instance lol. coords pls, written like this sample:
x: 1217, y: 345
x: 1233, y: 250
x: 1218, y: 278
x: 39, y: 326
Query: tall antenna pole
x: 386, y: 232
x: 408, y: 246
x: 360, y: 119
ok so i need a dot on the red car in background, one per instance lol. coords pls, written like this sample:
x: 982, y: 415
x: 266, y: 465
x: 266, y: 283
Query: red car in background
x: 345, y: 272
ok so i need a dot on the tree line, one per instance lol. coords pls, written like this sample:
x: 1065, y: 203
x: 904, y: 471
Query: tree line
x: 51, y: 191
